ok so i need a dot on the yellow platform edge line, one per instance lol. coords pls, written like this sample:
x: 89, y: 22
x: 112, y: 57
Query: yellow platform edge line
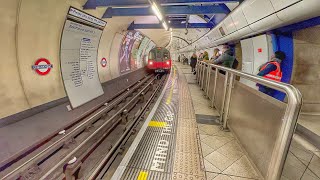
x: 143, y: 175
x: 157, y: 124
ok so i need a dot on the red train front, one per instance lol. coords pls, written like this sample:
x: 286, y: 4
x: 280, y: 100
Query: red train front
x: 159, y: 60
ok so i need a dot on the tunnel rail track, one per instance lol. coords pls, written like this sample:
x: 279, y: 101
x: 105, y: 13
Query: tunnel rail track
x: 28, y: 168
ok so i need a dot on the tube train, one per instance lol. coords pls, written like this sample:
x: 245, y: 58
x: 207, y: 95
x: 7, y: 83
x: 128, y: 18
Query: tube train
x: 159, y: 60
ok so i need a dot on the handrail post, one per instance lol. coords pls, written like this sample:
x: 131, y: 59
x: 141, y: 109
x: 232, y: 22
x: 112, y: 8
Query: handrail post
x: 289, y: 119
x: 208, y: 80
x: 199, y: 75
x: 203, y: 74
x: 214, y: 88
x: 197, y: 71
x: 224, y: 95
x: 227, y: 101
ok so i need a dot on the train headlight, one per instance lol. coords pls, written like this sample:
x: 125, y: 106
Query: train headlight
x: 150, y: 62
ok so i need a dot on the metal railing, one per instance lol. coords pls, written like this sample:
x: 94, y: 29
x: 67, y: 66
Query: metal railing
x: 290, y: 115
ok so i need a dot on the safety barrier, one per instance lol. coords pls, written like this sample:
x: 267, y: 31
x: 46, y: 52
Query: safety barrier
x: 263, y: 125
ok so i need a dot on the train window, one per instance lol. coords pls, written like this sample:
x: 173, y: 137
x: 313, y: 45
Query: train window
x: 152, y: 55
x: 166, y: 55
x: 159, y: 55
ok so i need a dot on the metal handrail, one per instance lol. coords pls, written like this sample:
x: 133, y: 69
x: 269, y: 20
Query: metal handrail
x: 289, y: 119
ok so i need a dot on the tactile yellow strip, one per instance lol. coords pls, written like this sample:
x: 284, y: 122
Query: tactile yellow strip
x: 157, y: 124
x: 143, y: 175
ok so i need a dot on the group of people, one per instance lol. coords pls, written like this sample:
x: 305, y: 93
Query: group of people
x: 270, y: 70
x: 225, y: 58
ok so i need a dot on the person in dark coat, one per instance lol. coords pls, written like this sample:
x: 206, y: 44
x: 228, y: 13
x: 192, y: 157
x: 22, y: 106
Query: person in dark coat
x: 193, y: 62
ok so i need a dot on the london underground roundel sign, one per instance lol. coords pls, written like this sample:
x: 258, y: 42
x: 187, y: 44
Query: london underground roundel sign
x: 103, y: 62
x: 42, y: 66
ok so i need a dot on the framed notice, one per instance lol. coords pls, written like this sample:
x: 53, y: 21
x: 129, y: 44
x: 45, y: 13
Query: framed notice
x: 78, y: 53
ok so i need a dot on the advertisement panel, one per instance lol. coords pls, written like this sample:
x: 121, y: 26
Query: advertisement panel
x: 140, y: 52
x: 131, y: 41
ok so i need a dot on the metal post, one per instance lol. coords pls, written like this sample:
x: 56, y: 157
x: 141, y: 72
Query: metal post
x: 208, y: 80
x: 227, y: 102
x: 202, y: 80
x: 197, y: 71
x: 215, y: 87
x: 224, y: 95
x: 201, y: 73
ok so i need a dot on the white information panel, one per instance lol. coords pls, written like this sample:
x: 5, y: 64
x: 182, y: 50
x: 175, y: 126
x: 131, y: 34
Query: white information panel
x: 79, y: 45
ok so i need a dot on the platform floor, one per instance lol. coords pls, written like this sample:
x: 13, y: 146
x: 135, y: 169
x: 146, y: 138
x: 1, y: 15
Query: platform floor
x: 222, y: 155
x: 187, y: 147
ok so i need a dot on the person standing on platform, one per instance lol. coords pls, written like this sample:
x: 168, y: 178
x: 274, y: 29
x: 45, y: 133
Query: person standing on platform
x: 271, y: 70
x: 205, y: 56
x: 216, y: 54
x: 200, y: 57
x: 193, y: 62
x: 227, y: 58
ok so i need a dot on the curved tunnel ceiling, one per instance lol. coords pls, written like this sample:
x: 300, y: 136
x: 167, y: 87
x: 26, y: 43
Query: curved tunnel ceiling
x: 160, y: 36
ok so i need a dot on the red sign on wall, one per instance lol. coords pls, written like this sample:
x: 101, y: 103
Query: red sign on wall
x: 103, y: 62
x: 260, y: 50
x: 42, y: 66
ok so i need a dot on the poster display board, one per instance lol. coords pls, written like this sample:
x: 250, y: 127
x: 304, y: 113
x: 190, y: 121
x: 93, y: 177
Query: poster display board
x: 150, y: 45
x: 140, y: 52
x: 78, y: 54
x: 131, y: 40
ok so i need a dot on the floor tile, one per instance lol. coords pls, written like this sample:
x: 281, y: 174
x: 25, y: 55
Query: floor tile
x: 315, y: 165
x: 219, y: 160
x: 284, y: 178
x: 211, y: 176
x: 202, y: 136
x: 301, y: 153
x: 223, y: 133
x: 308, y: 175
x: 202, y: 132
x: 216, y: 142
x: 242, y: 168
x: 210, y: 129
x: 239, y: 178
x: 232, y: 150
x: 206, y: 149
x: 222, y: 177
x: 210, y: 167
x: 293, y: 168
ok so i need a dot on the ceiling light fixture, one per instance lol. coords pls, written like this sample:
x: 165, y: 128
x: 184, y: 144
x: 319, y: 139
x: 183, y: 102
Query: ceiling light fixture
x: 164, y: 24
x: 156, y: 11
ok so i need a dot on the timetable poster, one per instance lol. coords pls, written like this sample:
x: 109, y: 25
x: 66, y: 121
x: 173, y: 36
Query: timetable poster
x: 79, y: 49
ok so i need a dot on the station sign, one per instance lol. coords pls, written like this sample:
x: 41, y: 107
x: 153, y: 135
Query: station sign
x: 103, y: 62
x: 42, y: 66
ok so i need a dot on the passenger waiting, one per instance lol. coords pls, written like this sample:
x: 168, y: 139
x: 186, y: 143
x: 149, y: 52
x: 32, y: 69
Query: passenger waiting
x: 205, y: 56
x: 215, y: 56
x: 200, y: 57
x: 227, y: 58
x: 193, y: 62
x: 271, y: 70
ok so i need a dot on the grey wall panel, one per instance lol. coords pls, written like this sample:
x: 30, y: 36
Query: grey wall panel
x: 255, y: 119
x: 219, y: 91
